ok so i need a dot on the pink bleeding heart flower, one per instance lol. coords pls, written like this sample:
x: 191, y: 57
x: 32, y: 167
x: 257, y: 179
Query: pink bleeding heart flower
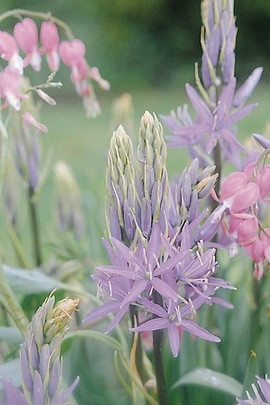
x: 79, y: 72
x: 94, y: 74
x: 49, y: 38
x: 26, y: 35
x: 30, y: 120
x: 72, y: 52
x: 263, y: 181
x: 237, y: 195
x: 258, y: 251
x: 9, y: 51
x: 10, y: 83
x: 245, y: 230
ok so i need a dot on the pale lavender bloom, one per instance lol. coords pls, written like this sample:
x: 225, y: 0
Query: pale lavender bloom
x: 211, y: 126
x: 247, y: 88
x: 262, y: 398
x: 182, y: 278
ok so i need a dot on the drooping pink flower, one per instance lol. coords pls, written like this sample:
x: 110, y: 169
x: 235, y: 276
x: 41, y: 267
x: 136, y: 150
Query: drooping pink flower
x: 94, y: 74
x: 30, y: 120
x: 9, y: 51
x: 237, y: 194
x: 244, y: 230
x: 261, y: 176
x: 49, y: 39
x: 72, y: 52
x: 10, y: 83
x: 26, y: 35
x: 258, y: 251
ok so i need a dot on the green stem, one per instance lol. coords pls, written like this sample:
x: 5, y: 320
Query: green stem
x: 17, y: 13
x: 35, y: 227
x: 8, y: 299
x: 256, y: 326
x: 158, y: 358
x: 139, y: 353
x: 18, y: 247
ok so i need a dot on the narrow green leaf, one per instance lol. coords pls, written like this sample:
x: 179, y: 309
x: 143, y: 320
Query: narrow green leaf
x: 11, y: 335
x: 252, y: 370
x: 211, y: 379
x: 24, y: 282
x: 11, y: 371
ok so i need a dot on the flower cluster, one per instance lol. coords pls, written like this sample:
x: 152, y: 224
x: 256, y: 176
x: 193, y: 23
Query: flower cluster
x: 262, y: 398
x: 241, y: 195
x: 72, y: 53
x: 219, y: 107
x: 41, y: 364
x: 157, y: 267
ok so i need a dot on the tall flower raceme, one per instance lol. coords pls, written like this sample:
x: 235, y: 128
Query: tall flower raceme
x: 258, y: 397
x: 178, y: 270
x: 26, y: 38
x: 219, y: 106
x: 41, y: 363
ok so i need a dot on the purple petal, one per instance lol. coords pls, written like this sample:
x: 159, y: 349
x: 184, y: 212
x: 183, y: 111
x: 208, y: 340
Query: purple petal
x: 54, y: 378
x: 193, y: 130
x: 68, y: 392
x: 122, y: 271
x: 135, y: 291
x: 26, y: 375
x: 169, y: 264
x: 198, y: 104
x: 117, y: 318
x: 265, y: 387
x: 225, y: 101
x: 154, y: 324
x: 44, y: 360
x: 247, y: 87
x: 263, y: 141
x: 174, y: 339
x: 240, y: 113
x: 164, y: 289
x: 223, y: 303
x: 38, y: 395
x: 13, y: 394
x: 101, y: 311
x: 153, y: 308
x: 197, y: 330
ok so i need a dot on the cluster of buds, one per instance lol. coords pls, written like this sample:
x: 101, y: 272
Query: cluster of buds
x: 151, y: 249
x: 41, y: 364
x: 218, y: 39
x: 68, y: 201
x: 219, y: 105
x: 25, y: 38
x: 241, y: 195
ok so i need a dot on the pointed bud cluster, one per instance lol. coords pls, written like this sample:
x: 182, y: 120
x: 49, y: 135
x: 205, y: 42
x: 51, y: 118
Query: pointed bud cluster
x: 191, y: 187
x: 122, y: 202
x: 41, y: 364
x: 153, y: 186
x: 68, y: 201
x: 218, y: 41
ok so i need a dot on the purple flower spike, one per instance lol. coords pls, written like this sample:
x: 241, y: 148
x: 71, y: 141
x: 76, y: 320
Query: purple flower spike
x: 40, y: 357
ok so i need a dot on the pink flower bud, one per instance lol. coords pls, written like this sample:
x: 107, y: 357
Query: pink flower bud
x: 72, y: 52
x: 49, y: 39
x: 30, y: 120
x: 26, y: 35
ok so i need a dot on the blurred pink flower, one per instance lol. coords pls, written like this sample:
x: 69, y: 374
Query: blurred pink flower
x: 245, y: 230
x: 26, y: 35
x: 49, y: 39
x: 72, y: 52
x: 10, y: 82
x: 9, y: 51
x: 30, y: 120
x: 258, y: 251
